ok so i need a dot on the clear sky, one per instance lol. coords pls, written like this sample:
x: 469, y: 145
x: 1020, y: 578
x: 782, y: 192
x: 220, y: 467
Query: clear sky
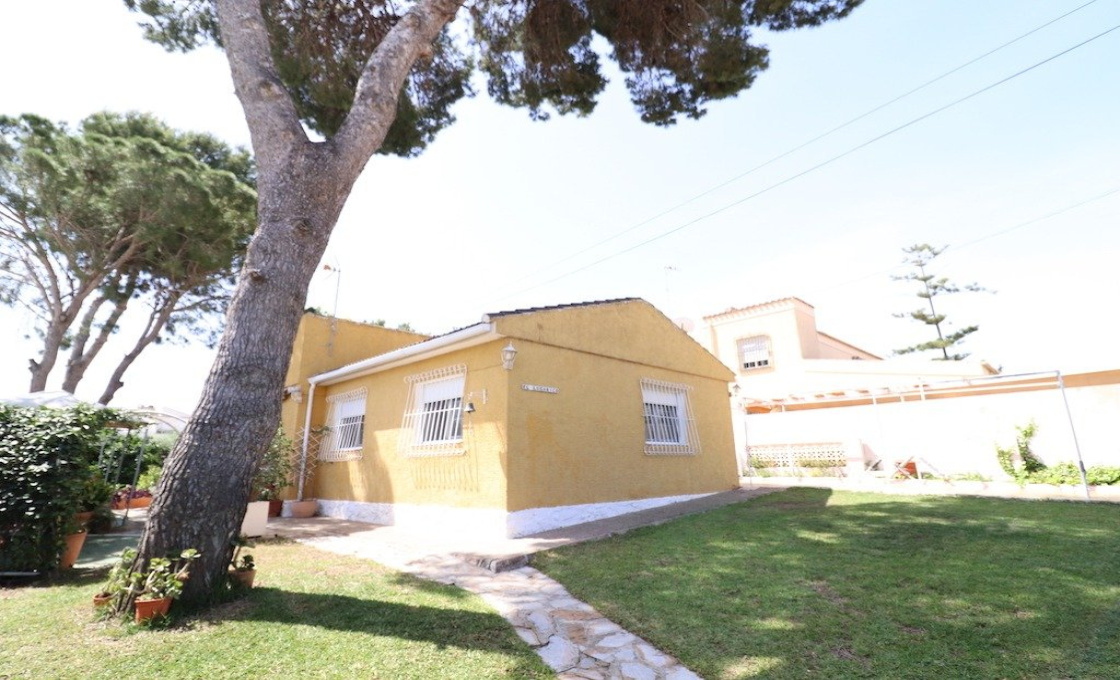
x: 502, y: 212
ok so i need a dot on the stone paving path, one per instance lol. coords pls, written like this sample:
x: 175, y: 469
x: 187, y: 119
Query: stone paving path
x: 571, y: 636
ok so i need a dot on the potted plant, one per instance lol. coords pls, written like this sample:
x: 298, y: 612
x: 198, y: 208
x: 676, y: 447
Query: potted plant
x: 305, y: 507
x: 118, y: 582
x: 95, y: 495
x: 75, y: 533
x: 127, y: 497
x: 242, y: 568
x: 160, y: 584
x: 274, y: 473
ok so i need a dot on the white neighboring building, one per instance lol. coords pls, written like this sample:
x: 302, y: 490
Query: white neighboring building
x: 780, y: 358
x: 778, y: 354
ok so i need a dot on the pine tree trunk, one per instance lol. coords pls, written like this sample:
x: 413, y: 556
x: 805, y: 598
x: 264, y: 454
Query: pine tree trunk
x: 302, y: 186
x: 80, y: 358
x: 156, y: 323
x: 204, y: 489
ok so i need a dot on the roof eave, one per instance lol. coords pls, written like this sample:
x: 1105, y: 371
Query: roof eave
x: 461, y: 339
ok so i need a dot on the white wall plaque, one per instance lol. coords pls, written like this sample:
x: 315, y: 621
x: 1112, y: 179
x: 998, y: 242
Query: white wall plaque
x: 540, y: 388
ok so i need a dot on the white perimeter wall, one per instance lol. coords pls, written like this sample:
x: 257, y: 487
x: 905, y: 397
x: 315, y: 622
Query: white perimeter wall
x: 957, y: 435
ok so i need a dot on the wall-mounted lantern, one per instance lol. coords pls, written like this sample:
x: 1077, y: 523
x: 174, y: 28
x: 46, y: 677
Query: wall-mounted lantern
x: 509, y: 353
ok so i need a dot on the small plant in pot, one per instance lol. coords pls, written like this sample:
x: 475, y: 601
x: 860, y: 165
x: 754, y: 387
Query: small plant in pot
x: 118, y: 584
x: 242, y: 568
x: 153, y: 588
x: 162, y: 583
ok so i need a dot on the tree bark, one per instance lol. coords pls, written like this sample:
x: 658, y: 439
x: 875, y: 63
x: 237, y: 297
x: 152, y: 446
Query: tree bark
x: 302, y: 185
x: 80, y: 358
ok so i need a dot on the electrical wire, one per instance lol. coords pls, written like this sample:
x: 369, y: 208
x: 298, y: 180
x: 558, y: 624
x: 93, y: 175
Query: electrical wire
x: 985, y: 237
x: 799, y: 147
x: 818, y: 166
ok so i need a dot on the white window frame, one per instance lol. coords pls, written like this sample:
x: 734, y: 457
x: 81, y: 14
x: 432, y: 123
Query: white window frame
x: 667, y: 420
x: 346, y: 417
x: 433, y: 422
x: 754, y: 353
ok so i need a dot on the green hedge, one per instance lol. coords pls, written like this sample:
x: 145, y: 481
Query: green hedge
x: 45, y: 459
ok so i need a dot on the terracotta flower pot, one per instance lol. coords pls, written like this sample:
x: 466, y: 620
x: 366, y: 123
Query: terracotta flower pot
x: 141, y: 502
x: 275, y: 508
x: 101, y: 600
x: 74, y: 543
x: 149, y: 609
x: 244, y: 578
x: 305, y: 508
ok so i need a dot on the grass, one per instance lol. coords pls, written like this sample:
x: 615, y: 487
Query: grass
x: 313, y: 615
x: 815, y: 583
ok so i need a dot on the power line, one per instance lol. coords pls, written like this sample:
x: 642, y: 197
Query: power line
x: 818, y: 166
x: 799, y: 147
x: 991, y: 235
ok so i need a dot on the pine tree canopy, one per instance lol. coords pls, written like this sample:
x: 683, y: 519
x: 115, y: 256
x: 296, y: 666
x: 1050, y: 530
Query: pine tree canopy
x: 541, y: 55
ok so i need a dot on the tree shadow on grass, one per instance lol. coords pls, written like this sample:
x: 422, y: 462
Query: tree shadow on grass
x: 442, y: 627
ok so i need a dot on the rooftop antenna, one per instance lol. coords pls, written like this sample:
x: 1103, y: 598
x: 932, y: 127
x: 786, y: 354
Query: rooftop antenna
x: 334, y: 312
x: 669, y: 269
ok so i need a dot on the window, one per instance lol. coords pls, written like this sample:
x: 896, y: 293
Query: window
x: 346, y: 415
x: 433, y: 421
x: 754, y: 352
x: 669, y: 426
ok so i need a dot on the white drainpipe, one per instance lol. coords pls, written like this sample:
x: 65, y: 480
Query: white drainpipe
x: 306, y: 436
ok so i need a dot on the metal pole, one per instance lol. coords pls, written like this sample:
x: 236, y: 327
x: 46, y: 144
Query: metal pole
x: 116, y: 462
x: 135, y: 474
x: 1073, y: 431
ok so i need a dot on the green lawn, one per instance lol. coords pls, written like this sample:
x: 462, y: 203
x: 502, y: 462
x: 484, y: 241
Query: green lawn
x: 313, y: 615
x: 815, y: 583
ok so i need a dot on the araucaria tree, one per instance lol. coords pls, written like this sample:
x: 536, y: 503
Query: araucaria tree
x: 380, y: 76
x: 930, y: 286
x: 123, y: 211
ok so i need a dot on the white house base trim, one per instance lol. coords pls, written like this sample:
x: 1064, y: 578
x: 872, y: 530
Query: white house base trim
x: 486, y: 522
x: 536, y: 520
x: 438, y: 519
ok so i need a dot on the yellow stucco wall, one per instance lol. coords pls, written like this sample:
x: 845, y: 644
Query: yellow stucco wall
x: 634, y: 331
x: 323, y: 344
x: 474, y: 479
x: 586, y: 443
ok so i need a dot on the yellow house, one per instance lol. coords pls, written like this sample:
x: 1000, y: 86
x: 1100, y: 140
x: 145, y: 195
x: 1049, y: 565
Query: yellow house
x: 529, y: 420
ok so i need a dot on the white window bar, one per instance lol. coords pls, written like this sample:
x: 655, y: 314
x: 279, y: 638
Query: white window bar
x: 433, y: 419
x: 346, y: 417
x: 754, y: 352
x: 670, y: 429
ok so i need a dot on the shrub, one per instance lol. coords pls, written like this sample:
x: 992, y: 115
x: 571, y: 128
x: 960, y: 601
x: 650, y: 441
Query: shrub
x: 760, y: 462
x: 119, y: 454
x: 45, y: 459
x: 275, y: 470
x: 1068, y: 474
x: 1020, y: 463
x: 816, y: 463
x: 149, y: 478
x: 1103, y: 474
